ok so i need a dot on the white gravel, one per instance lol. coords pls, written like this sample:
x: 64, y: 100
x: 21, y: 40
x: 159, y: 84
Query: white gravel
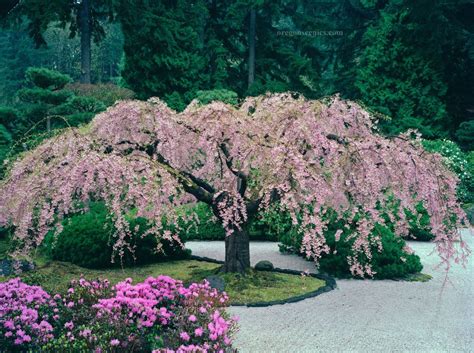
x: 361, y: 316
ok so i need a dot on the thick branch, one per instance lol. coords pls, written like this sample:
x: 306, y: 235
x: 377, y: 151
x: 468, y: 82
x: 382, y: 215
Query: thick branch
x: 202, y: 183
x: 252, y: 206
x: 187, y: 181
x: 337, y: 138
x: 197, y: 187
x: 242, y: 184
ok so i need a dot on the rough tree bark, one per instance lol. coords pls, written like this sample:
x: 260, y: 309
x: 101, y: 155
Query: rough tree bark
x: 237, y: 244
x: 86, y: 33
x: 237, y: 251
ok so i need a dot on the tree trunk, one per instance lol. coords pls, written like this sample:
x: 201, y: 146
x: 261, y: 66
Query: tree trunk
x: 86, y: 32
x: 237, y: 251
x: 251, y: 77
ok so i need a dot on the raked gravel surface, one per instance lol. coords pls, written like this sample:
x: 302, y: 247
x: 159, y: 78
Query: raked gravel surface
x: 361, y: 315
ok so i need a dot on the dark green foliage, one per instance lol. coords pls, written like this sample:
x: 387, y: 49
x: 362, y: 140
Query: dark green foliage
x: 465, y: 134
x: 175, y: 101
x: 86, y: 240
x: 17, y: 53
x: 165, y: 55
x: 387, y: 264
x: 63, y: 105
x: 208, y: 227
x: 45, y: 96
x: 8, y: 115
x: 469, y: 209
x: 47, y: 79
x: 396, y: 80
x: 222, y: 95
x: 419, y: 226
x: 49, y: 99
x: 419, y: 223
x: 415, y: 65
x: 393, y: 262
x: 5, y: 146
x: 78, y: 104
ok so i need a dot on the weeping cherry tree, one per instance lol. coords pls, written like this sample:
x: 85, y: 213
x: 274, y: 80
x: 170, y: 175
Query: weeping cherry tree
x: 308, y: 155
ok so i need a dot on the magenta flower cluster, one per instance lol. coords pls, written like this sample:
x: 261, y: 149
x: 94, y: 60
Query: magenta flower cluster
x: 93, y: 316
x: 23, y: 319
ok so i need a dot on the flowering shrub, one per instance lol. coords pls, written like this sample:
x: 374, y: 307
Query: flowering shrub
x: 160, y: 315
x: 458, y: 161
x: 25, y: 318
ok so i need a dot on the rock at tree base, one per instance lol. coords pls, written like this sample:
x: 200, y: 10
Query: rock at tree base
x: 216, y: 282
x: 264, y: 265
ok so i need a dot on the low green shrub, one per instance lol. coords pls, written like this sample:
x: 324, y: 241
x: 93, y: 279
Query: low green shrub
x: 465, y: 134
x: 222, y: 95
x: 207, y: 228
x: 419, y: 222
x: 392, y: 262
x: 79, y: 104
x: 87, y: 241
x: 46, y: 79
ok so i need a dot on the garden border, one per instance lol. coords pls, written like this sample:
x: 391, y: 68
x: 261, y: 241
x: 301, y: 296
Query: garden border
x: 330, y: 285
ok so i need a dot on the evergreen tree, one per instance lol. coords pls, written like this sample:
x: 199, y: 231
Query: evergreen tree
x: 413, y: 66
x: 164, y: 58
x: 83, y: 16
x: 17, y: 53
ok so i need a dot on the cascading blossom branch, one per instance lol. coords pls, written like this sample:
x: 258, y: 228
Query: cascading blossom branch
x: 307, y: 155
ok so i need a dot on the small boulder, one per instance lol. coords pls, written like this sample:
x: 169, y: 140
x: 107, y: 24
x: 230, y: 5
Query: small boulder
x: 264, y: 265
x: 216, y: 282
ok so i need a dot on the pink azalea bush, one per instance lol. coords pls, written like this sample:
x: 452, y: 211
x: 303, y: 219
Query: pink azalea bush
x: 159, y: 314
x: 25, y: 315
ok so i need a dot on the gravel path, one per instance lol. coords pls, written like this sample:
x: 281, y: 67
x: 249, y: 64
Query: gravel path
x: 361, y: 316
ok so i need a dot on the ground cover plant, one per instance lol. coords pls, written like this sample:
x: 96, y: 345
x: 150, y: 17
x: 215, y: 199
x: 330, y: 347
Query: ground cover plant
x: 160, y: 315
x: 307, y: 155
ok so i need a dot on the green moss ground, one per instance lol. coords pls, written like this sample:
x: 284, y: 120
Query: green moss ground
x: 255, y: 286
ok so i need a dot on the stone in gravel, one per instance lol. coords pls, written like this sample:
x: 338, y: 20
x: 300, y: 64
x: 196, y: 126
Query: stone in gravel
x: 264, y: 265
x: 216, y: 282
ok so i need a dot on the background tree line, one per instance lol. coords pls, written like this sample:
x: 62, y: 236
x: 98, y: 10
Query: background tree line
x: 410, y: 61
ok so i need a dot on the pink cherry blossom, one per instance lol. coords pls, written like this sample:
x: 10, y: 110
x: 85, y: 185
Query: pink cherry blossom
x: 272, y: 148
